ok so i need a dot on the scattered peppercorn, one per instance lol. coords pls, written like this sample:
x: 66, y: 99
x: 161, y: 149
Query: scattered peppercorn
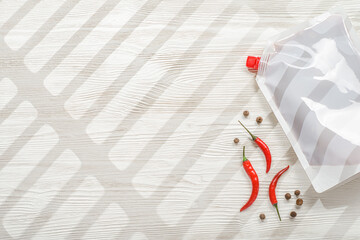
x: 262, y: 216
x: 297, y: 192
x: 287, y: 196
x: 236, y: 140
x: 299, y: 202
x: 293, y: 214
x: 246, y: 113
x: 259, y: 120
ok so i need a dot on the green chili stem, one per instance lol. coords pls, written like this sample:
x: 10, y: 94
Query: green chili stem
x: 252, y: 136
x: 277, y: 210
x: 244, y: 158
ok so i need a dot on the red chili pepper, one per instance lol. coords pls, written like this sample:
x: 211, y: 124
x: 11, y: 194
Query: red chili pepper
x: 254, y: 181
x: 264, y: 148
x: 272, y: 188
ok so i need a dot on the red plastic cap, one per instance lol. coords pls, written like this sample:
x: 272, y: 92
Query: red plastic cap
x: 253, y: 62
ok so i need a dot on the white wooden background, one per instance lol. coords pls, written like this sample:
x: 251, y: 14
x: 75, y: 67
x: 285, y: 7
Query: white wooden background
x: 118, y: 119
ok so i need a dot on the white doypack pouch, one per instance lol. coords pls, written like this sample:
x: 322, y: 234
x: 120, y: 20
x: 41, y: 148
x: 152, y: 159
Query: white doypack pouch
x: 310, y: 75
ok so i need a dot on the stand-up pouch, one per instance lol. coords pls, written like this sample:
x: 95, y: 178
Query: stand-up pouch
x: 310, y: 75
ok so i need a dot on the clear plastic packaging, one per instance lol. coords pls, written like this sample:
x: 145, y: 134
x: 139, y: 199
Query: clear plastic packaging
x: 310, y: 75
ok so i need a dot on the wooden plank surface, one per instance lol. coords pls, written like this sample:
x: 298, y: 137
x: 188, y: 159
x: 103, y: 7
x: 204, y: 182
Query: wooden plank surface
x: 117, y: 121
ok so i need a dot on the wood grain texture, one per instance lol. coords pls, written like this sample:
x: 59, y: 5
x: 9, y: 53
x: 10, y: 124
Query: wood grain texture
x: 117, y: 121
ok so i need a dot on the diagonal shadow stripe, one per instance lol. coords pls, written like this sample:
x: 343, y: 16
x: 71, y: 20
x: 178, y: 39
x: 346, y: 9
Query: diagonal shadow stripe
x: 36, y: 38
x: 136, y: 64
x: 353, y: 157
x: 77, y: 37
x: 62, y: 195
x: 91, y: 216
x: 31, y: 179
x: 130, y: 234
x: 20, y: 141
x: 10, y: 107
x: 173, y: 123
x: 53, y: 205
x: 303, y: 110
x: 105, y: 51
x: 194, y: 50
x: 6, y: 72
x: 17, y: 16
x: 36, y: 223
x: 87, y: 168
x: 190, y: 55
x: 340, y: 232
x: 132, y: 202
x: 4, y: 234
x: 25, y: 73
x: 321, y: 147
x: 349, y: 216
x: 325, y: 137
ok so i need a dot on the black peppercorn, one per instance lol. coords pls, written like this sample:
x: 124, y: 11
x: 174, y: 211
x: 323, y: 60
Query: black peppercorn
x: 297, y: 192
x: 293, y: 214
x: 259, y: 120
x: 246, y: 113
x: 236, y: 140
x: 299, y: 202
x: 287, y: 196
x: 262, y: 216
